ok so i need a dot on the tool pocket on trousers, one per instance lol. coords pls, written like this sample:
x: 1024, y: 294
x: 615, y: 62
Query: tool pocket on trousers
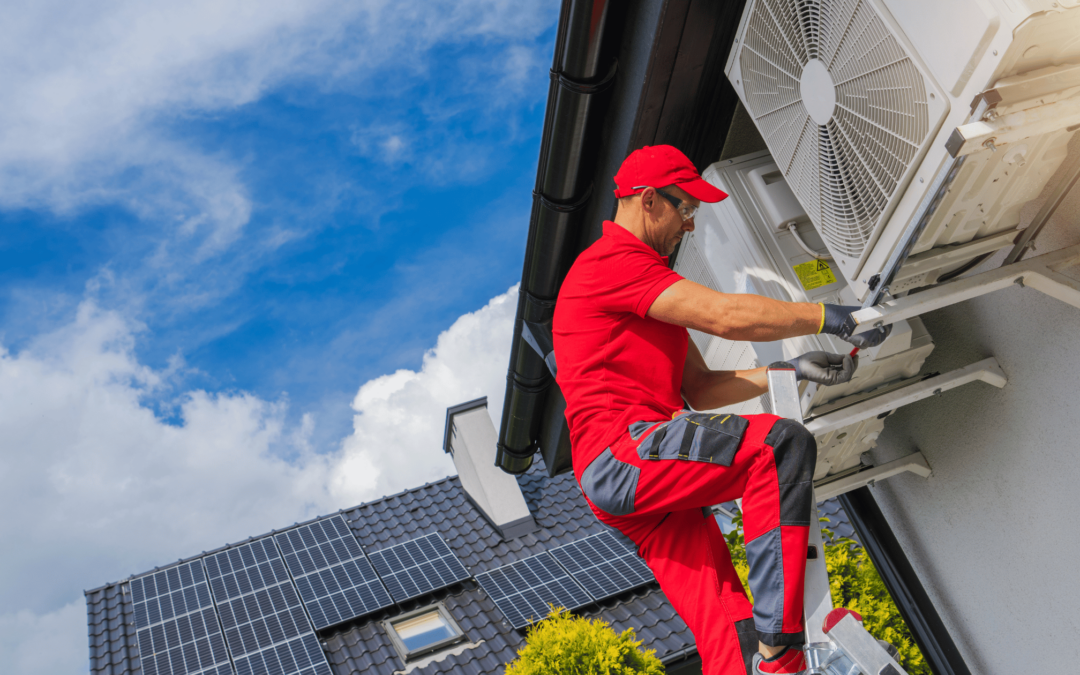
x: 610, y: 484
x: 697, y: 437
x: 638, y: 428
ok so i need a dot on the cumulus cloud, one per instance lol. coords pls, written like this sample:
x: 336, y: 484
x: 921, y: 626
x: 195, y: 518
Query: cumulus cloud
x: 97, y: 487
x: 101, y: 484
x: 406, y: 409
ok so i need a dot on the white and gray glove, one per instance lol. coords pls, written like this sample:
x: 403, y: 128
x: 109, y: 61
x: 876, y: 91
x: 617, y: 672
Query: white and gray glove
x: 824, y: 368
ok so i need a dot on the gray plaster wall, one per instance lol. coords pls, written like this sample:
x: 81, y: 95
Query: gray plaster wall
x: 993, y: 533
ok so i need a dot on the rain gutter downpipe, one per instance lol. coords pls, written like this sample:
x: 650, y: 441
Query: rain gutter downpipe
x: 575, y: 104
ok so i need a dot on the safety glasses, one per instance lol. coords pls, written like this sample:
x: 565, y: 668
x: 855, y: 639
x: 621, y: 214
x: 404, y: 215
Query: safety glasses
x: 685, y: 211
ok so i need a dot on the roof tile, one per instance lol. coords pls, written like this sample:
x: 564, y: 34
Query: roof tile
x: 363, y: 647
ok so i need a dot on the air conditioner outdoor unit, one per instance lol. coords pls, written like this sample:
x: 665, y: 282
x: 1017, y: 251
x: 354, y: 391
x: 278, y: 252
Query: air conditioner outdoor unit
x: 857, y: 101
x: 736, y: 249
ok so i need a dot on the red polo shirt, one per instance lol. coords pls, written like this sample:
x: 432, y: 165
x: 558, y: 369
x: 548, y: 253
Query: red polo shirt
x: 616, y: 365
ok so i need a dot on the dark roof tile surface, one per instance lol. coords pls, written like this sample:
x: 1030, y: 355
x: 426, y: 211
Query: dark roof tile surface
x: 111, y: 636
x: 442, y: 507
x: 838, y: 520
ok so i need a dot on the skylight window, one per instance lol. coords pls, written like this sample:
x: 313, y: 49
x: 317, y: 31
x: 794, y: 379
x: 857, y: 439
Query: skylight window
x: 423, y: 631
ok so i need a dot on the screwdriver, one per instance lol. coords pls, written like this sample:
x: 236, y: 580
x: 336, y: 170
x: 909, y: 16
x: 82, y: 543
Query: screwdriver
x: 837, y: 366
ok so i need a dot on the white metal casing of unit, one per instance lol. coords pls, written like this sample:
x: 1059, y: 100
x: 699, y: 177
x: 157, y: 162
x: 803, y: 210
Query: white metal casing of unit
x: 862, y: 154
x: 735, y: 249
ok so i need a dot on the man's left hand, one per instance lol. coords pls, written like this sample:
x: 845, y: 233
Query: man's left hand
x: 837, y: 320
x: 825, y: 368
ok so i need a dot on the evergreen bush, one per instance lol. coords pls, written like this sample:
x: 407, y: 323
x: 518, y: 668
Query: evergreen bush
x: 855, y: 584
x: 564, y: 644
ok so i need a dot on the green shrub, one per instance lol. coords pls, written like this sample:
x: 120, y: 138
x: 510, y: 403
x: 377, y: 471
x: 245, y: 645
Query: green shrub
x: 856, y: 585
x: 564, y: 644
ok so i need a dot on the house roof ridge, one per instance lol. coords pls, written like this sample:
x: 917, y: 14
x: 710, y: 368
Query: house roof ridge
x: 403, y: 492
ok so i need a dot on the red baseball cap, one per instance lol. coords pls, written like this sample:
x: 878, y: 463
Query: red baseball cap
x: 658, y: 166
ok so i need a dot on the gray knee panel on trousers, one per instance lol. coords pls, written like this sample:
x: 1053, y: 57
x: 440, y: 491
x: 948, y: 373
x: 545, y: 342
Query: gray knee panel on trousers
x: 795, y: 453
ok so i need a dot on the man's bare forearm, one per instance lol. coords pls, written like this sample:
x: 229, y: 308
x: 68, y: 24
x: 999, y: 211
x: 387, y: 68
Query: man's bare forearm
x: 719, y: 388
x: 740, y: 317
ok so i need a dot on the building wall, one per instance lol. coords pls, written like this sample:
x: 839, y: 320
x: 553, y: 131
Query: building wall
x: 993, y: 532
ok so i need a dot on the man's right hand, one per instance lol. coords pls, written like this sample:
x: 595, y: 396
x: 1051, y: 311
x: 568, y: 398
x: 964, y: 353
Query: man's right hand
x: 839, y: 322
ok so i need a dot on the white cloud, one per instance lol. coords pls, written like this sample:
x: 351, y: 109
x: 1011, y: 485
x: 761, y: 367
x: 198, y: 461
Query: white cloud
x: 104, y: 103
x: 91, y: 91
x: 104, y: 487
x: 96, y: 487
x: 406, y: 409
x: 387, y: 143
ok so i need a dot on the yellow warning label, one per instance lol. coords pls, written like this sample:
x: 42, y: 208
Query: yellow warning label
x: 814, y: 274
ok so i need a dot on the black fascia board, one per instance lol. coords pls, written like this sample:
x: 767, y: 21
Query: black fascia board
x: 669, y: 88
x: 582, y: 75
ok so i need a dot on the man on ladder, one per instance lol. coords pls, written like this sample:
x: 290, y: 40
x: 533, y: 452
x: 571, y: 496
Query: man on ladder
x: 649, y: 466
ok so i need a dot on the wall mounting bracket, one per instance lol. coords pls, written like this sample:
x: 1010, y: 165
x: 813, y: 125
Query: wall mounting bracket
x: 1041, y: 273
x: 987, y: 371
x: 914, y: 463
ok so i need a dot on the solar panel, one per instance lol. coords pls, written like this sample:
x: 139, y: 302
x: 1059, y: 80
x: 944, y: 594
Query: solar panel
x: 418, y: 566
x: 523, y: 590
x: 604, y: 564
x: 266, y: 628
x: 335, y: 580
x: 176, y: 625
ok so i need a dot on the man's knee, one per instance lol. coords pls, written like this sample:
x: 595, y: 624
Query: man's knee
x: 794, y: 450
x: 795, y: 453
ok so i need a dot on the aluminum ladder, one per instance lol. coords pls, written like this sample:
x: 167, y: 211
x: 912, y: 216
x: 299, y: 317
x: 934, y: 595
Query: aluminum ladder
x: 836, y: 642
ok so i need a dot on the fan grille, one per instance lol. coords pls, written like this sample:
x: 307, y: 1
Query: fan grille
x: 846, y: 170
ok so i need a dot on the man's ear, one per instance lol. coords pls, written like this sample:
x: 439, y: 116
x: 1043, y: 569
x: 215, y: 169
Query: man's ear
x: 648, y: 200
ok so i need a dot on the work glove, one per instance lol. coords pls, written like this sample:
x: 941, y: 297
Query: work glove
x: 824, y: 368
x: 837, y: 321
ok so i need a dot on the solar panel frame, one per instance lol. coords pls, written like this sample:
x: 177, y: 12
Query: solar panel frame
x: 176, y: 623
x: 335, y: 579
x: 523, y: 589
x: 604, y: 564
x: 265, y: 625
x: 418, y: 566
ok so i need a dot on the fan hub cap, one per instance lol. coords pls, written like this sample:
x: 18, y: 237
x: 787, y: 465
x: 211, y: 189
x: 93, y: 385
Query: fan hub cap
x: 818, y: 91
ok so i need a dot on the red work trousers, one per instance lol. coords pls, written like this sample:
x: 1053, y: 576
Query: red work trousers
x: 654, y: 485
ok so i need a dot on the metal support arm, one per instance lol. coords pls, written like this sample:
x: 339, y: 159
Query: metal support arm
x: 987, y: 371
x: 915, y: 463
x: 1040, y: 273
x: 1009, y: 128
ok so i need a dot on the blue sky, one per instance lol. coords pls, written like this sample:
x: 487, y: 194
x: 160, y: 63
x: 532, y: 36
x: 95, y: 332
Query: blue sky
x: 381, y: 208
x: 249, y: 252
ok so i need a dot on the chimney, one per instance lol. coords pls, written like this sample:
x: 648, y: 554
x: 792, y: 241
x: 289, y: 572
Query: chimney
x: 470, y: 439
